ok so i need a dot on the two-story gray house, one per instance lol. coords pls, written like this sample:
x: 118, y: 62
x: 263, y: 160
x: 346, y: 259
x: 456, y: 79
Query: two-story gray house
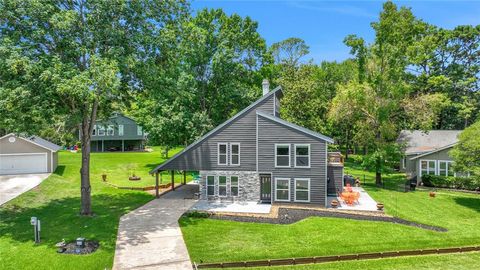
x: 258, y: 156
x: 118, y: 133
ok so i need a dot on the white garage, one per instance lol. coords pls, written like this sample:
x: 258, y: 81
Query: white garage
x: 27, y: 155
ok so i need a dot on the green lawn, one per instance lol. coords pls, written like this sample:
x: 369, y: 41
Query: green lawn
x: 235, y: 241
x: 466, y: 261
x: 56, y: 203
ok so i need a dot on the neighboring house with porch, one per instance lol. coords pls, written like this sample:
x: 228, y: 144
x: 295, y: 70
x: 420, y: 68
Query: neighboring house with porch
x: 427, y: 152
x: 118, y: 133
x: 258, y: 156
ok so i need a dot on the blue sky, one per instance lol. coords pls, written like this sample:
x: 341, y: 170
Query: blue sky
x: 324, y: 24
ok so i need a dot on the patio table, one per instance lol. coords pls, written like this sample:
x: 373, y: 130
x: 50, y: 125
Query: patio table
x: 350, y: 197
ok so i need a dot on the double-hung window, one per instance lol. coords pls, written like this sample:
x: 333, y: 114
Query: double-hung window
x: 222, y: 186
x: 302, y: 155
x: 139, y: 131
x: 94, y: 131
x: 110, y: 130
x: 282, y: 155
x: 282, y: 189
x: 445, y: 168
x: 428, y: 167
x: 120, y: 130
x: 234, y: 154
x: 302, y: 189
x: 101, y: 131
x: 210, y: 185
x: 233, y: 186
x: 222, y: 154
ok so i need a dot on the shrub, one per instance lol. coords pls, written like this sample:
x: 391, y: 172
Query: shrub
x: 196, y: 214
x: 470, y: 183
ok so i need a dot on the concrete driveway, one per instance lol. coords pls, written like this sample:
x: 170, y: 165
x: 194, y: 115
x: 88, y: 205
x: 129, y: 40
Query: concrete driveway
x: 150, y: 237
x: 12, y: 186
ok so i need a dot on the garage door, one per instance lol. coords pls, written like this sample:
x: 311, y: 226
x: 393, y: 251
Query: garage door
x: 23, y: 163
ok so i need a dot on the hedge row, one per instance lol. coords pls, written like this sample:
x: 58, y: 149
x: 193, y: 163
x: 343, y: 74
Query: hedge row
x: 468, y: 183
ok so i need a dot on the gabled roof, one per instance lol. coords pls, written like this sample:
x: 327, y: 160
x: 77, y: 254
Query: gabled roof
x: 434, y: 151
x: 296, y: 127
x: 37, y: 141
x: 418, y: 141
x: 218, y: 128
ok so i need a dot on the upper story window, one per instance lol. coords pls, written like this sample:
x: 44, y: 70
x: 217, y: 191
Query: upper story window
x: 110, y: 130
x: 282, y: 155
x: 101, y: 131
x: 302, y: 155
x: 222, y: 154
x: 94, y: 131
x: 139, y: 131
x: 234, y: 154
x: 120, y: 130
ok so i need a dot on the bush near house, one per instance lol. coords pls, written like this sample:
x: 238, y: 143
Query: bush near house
x: 468, y: 183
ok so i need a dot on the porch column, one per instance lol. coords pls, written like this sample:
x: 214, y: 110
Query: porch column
x: 173, y: 180
x: 123, y: 146
x: 156, y: 186
x: 184, y: 177
x: 103, y: 146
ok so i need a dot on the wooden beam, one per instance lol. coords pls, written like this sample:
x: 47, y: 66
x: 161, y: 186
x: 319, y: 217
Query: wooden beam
x: 156, y: 186
x: 173, y: 180
x: 184, y: 177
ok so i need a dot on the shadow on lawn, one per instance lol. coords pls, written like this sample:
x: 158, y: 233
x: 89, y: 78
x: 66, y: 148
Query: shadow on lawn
x: 473, y: 203
x: 60, y: 170
x: 60, y: 219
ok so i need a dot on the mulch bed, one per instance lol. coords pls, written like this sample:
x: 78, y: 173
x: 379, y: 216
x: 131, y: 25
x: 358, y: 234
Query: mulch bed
x: 289, y: 216
x: 71, y: 248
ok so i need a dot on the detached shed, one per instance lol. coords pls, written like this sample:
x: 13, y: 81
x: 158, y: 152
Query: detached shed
x: 24, y: 155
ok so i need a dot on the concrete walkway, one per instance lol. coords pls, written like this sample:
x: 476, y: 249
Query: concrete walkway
x: 12, y: 186
x: 150, y: 237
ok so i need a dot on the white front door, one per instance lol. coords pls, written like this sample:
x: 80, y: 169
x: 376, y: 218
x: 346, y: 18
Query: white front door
x: 23, y: 163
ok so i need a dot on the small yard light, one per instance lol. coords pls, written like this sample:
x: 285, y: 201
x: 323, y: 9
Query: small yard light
x: 36, y: 228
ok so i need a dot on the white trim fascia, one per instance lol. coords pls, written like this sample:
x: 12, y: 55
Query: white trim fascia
x: 295, y: 155
x: 239, y: 147
x: 274, y: 99
x: 295, y: 189
x: 289, y: 154
x: 289, y: 187
x: 218, y: 154
x: 219, y: 127
x: 296, y: 127
x: 434, y: 151
x: 26, y: 154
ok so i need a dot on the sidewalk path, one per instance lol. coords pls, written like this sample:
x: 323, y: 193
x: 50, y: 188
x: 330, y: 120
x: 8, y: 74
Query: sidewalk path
x: 150, y: 237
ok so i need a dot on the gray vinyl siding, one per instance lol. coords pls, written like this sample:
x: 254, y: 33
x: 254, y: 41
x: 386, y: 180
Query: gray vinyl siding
x: 277, y: 106
x: 129, y: 129
x: 271, y: 133
x: 203, y: 156
x: 55, y: 161
x: 440, y: 155
x: 21, y: 146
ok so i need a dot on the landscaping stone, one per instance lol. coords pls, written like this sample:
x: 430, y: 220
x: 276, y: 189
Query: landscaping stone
x: 72, y: 248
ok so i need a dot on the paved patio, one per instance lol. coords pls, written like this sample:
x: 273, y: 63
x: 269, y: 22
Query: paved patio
x: 232, y: 207
x: 150, y: 237
x: 365, y: 202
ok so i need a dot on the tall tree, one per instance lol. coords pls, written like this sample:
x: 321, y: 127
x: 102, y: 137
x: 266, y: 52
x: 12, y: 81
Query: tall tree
x: 466, y: 152
x: 79, y: 59
x: 290, y: 51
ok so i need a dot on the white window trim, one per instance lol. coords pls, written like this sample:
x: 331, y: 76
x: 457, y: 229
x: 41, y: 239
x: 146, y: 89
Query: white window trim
x: 226, y: 154
x: 219, y: 185
x: 121, y: 129
x: 404, y: 163
x: 207, y: 185
x: 428, y: 168
x: 283, y: 179
x: 139, y: 131
x: 448, y: 168
x: 289, y: 154
x: 295, y: 189
x: 102, y: 128
x: 231, y: 163
x: 238, y: 185
x: 94, y: 131
x: 295, y: 154
x: 112, y: 129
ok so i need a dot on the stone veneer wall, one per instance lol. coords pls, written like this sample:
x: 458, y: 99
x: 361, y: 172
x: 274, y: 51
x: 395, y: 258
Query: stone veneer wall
x: 248, y: 185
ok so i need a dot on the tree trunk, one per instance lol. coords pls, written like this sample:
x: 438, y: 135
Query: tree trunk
x: 87, y: 127
x: 378, y: 179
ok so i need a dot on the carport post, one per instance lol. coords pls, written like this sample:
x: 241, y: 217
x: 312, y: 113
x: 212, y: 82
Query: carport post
x: 184, y: 177
x: 173, y: 180
x: 156, y: 185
